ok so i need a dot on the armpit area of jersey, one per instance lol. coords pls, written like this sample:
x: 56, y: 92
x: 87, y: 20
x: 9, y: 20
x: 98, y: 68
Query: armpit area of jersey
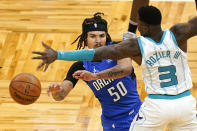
x: 133, y: 76
x: 75, y: 67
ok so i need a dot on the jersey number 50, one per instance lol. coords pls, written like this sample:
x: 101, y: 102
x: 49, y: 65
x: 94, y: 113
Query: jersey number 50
x: 121, y: 91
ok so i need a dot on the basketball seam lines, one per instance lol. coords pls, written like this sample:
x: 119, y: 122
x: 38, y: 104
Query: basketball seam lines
x: 28, y: 83
x: 22, y: 92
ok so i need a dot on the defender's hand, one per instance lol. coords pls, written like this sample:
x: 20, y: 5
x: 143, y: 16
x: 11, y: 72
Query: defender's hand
x: 47, y: 57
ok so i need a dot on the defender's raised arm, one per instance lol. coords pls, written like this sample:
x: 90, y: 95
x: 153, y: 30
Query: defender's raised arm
x: 184, y: 31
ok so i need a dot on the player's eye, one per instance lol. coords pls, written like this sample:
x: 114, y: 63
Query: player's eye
x: 92, y: 36
x: 103, y: 35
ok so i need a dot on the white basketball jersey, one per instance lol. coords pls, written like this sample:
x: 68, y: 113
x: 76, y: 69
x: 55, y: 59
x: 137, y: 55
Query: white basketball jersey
x: 164, y: 65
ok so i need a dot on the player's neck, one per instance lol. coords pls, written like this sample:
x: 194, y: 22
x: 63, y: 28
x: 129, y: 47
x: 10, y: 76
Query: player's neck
x: 156, y: 34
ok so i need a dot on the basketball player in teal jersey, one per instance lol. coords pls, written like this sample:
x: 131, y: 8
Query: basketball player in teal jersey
x: 166, y: 74
x: 118, y: 97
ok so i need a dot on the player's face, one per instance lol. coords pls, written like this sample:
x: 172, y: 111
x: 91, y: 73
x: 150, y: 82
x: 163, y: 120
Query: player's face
x: 143, y: 27
x: 96, y: 39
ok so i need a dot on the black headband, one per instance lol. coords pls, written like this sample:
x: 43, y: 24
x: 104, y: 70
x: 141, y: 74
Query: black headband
x: 86, y: 27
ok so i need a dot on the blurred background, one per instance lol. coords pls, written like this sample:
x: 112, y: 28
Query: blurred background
x: 24, y: 24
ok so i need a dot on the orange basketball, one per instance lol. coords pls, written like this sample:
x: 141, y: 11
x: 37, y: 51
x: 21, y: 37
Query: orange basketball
x: 25, y: 88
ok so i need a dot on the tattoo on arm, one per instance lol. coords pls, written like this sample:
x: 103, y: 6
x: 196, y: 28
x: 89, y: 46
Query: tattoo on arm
x: 110, y: 74
x: 115, y: 73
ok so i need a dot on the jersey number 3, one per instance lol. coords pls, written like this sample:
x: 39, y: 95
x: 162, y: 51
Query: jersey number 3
x: 171, y: 75
x: 121, y: 91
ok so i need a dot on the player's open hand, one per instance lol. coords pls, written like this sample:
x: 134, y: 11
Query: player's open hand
x: 84, y: 75
x: 54, y: 88
x: 47, y: 57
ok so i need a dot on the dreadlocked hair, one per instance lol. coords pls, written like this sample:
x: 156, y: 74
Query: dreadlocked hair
x: 96, y: 23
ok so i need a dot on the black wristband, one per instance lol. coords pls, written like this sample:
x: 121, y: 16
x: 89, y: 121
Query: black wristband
x: 132, y: 28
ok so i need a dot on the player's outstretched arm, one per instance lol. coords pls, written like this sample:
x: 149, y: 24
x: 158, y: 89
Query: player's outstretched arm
x: 126, y: 48
x: 123, y: 68
x: 60, y: 91
x: 184, y: 31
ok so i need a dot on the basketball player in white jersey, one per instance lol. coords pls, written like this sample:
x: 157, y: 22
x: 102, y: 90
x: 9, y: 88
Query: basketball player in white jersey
x: 166, y: 74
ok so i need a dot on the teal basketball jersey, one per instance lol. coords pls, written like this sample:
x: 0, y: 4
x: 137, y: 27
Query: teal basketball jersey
x: 164, y: 65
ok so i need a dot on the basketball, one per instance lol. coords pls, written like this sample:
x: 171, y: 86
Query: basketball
x: 25, y: 88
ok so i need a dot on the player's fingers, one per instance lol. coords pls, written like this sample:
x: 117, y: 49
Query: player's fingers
x: 55, y: 87
x: 77, y: 77
x: 52, y: 88
x: 39, y: 66
x: 48, y: 91
x: 77, y: 72
x: 38, y: 57
x: 82, y: 76
x: 52, y: 85
x: 45, y: 45
x: 38, y: 52
x: 46, y: 67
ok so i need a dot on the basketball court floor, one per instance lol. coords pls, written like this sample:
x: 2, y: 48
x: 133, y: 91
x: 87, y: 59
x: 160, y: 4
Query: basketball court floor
x: 24, y: 24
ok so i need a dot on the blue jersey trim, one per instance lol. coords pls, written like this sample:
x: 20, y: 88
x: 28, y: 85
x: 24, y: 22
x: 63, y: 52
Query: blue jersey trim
x: 140, y: 45
x: 169, y: 97
x: 161, y: 41
x: 173, y: 37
